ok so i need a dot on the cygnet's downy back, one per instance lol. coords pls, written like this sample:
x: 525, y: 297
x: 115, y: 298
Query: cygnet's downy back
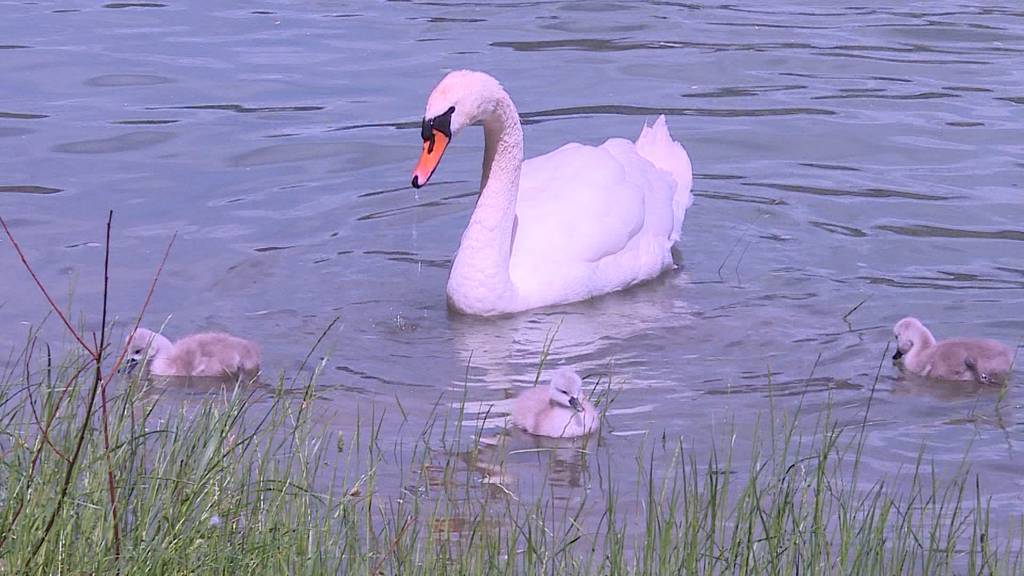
x: 213, y: 354
x: 982, y: 360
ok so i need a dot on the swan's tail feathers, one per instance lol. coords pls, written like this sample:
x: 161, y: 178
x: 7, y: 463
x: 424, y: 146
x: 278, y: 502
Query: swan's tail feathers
x: 656, y: 144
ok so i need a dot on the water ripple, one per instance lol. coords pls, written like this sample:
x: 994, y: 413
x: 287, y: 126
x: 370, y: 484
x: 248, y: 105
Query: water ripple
x: 22, y: 116
x: 942, y: 283
x: 241, y: 109
x: 154, y: 122
x: 882, y: 96
x: 746, y: 198
x: 744, y: 91
x: 122, y: 80
x: 117, y: 5
x: 840, y: 229
x: 619, y: 45
x: 29, y: 189
x: 929, y: 61
x: 864, y: 193
x: 930, y: 231
x: 121, y: 143
x: 838, y: 167
x: 626, y: 110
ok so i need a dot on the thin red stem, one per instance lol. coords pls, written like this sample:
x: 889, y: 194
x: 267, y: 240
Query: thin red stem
x: 111, y: 486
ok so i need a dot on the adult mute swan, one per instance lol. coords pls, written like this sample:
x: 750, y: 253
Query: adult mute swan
x: 981, y: 360
x: 566, y: 226
x: 204, y: 354
x: 558, y: 410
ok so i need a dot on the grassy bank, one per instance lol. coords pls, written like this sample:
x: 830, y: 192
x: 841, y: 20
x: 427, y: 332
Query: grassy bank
x: 246, y: 482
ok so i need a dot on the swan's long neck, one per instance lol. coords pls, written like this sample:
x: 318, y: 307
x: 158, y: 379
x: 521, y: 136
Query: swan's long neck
x: 480, y: 272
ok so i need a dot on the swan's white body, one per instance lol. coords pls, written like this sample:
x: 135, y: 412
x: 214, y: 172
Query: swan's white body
x: 569, y: 225
x: 204, y: 354
x: 558, y: 410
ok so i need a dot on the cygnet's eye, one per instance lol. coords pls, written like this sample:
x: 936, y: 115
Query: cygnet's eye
x: 562, y: 391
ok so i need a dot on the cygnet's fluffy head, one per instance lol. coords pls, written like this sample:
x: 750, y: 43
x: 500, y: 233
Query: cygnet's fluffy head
x: 144, y: 344
x: 910, y: 332
x: 566, y: 386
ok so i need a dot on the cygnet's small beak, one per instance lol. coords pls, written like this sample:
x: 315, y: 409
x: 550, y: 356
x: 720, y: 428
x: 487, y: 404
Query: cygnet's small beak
x: 897, y: 355
x: 433, y: 149
x: 575, y: 404
x: 128, y: 365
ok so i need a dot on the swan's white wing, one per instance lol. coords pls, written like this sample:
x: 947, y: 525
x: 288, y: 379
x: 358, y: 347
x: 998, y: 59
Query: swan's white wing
x: 579, y: 204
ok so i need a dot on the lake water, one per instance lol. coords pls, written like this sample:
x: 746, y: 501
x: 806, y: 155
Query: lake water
x: 869, y: 156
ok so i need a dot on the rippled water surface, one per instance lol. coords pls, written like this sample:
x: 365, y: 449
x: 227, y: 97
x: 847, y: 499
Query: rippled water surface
x: 852, y: 165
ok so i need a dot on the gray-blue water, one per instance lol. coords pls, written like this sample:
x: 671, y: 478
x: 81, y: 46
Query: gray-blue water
x: 843, y: 156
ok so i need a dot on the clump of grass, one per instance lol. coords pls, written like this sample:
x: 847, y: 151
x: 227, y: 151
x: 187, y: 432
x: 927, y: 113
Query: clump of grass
x: 247, y: 481
x: 195, y: 490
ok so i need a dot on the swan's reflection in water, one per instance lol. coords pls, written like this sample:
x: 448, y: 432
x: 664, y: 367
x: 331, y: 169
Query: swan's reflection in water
x: 506, y: 350
x: 913, y: 385
x: 168, y: 397
x: 563, y: 461
x: 478, y: 487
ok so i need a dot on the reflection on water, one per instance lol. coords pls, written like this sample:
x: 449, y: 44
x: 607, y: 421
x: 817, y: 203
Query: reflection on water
x: 853, y: 165
x: 509, y: 348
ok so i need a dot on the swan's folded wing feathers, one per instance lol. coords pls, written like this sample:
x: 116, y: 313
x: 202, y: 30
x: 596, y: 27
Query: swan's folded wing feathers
x: 658, y: 188
x: 656, y: 144
x: 579, y: 203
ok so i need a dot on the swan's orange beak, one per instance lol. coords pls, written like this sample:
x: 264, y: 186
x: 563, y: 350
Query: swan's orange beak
x: 433, y: 149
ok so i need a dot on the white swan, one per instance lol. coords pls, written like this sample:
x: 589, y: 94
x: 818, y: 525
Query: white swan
x: 204, y: 354
x: 984, y: 361
x: 558, y: 410
x: 566, y: 226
